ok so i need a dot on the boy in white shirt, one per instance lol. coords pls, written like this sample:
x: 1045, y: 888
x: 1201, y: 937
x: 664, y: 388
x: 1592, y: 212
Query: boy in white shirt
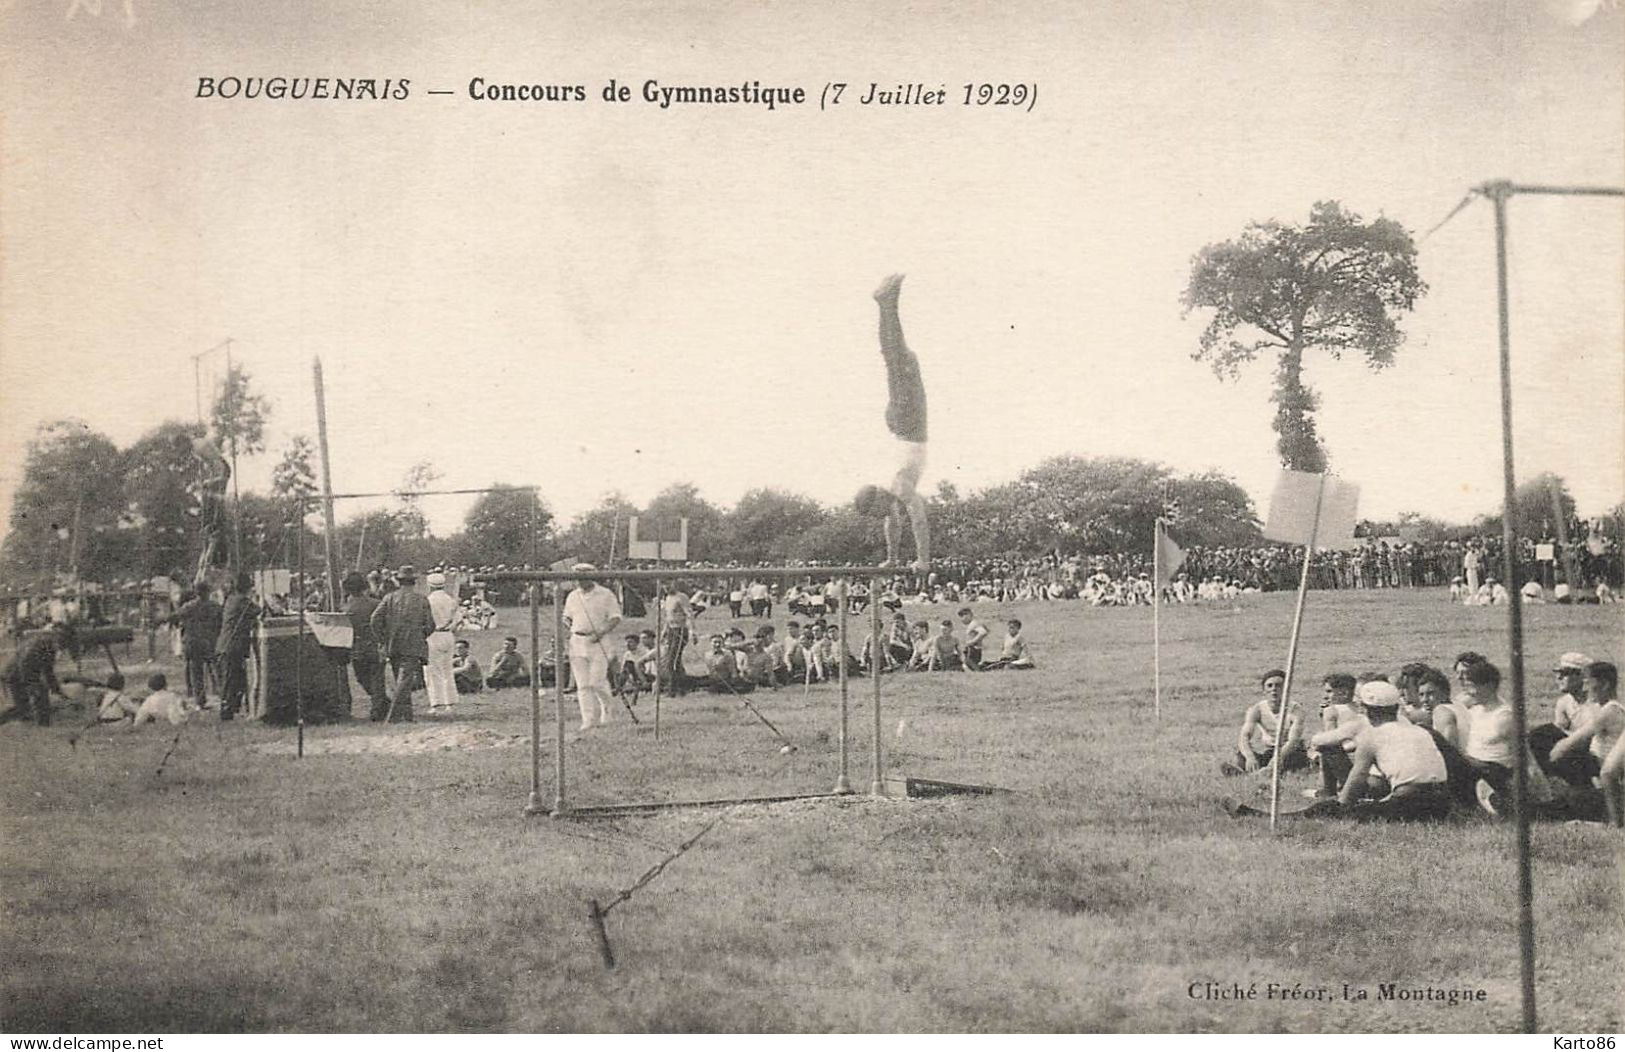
x: 1489, y: 744
x: 975, y: 633
x: 1014, y: 654
x: 115, y: 706
x: 1341, y: 722
x: 161, y: 704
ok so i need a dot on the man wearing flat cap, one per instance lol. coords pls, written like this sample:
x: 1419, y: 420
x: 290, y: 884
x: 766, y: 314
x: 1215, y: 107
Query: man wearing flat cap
x: 441, y: 680
x: 403, y: 623
x: 591, y: 615
x: 1572, y: 710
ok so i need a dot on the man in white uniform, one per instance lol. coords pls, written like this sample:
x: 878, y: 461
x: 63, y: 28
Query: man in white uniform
x: 442, y: 684
x: 591, y: 614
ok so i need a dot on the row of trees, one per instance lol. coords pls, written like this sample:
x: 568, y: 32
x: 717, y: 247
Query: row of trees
x: 86, y: 505
x: 1338, y: 284
x: 131, y: 513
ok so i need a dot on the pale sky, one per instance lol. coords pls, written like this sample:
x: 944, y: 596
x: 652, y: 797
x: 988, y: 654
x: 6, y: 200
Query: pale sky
x: 589, y: 296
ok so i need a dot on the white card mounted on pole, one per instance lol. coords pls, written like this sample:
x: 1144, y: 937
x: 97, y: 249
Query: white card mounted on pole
x: 669, y: 542
x: 1292, y: 510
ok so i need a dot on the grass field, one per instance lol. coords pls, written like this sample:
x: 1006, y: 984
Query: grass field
x: 245, y: 890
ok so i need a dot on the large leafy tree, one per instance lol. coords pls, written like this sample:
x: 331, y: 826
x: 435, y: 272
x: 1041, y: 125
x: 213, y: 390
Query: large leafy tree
x: 1214, y: 510
x: 376, y: 539
x: 239, y: 414
x: 497, y: 529
x: 591, y: 534
x: 1537, y: 503
x: 766, y: 524
x: 160, y: 486
x: 843, y: 537
x: 410, y: 522
x: 68, y: 508
x: 708, y: 539
x: 1337, y: 284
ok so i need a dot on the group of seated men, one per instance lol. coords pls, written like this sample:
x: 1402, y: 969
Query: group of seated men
x: 915, y: 647
x: 508, y: 668
x: 811, y: 652
x: 815, y: 653
x: 1409, y: 749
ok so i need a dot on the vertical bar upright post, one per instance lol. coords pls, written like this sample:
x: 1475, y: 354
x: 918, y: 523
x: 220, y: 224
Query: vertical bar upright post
x: 842, y: 784
x: 1156, y: 618
x: 329, y: 523
x: 534, y: 805
x: 660, y: 643
x: 299, y: 639
x: 1498, y: 194
x: 877, y: 783
x: 558, y: 693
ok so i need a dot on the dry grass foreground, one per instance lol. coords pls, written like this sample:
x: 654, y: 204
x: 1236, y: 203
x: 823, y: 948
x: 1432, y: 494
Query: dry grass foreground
x: 402, y: 890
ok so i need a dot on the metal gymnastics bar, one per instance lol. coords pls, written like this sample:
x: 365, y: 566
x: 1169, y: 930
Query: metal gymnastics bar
x: 304, y: 501
x: 1500, y: 192
x: 561, y: 808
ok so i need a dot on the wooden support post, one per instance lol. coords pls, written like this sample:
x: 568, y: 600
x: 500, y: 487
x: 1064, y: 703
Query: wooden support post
x: 842, y: 783
x: 329, y: 525
x: 877, y: 783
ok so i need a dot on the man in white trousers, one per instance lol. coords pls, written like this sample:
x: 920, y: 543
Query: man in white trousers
x: 442, y: 684
x: 591, y: 614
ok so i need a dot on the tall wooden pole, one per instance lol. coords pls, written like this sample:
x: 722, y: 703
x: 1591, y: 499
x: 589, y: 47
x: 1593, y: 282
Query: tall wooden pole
x: 299, y: 638
x: 559, y: 668
x: 328, y: 525
x: 534, y: 806
x: 1292, y: 658
x: 236, y: 491
x: 1156, y: 618
x: 843, y: 783
x: 1498, y: 194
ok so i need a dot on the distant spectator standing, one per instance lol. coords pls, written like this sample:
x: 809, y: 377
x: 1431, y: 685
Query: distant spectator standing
x: 403, y: 623
x: 359, y: 604
x: 199, y: 619
x: 30, y: 677
x: 231, y: 648
x: 442, y: 641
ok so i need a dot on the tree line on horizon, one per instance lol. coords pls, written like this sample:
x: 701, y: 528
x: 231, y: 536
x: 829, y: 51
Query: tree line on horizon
x: 1337, y: 284
x: 131, y: 514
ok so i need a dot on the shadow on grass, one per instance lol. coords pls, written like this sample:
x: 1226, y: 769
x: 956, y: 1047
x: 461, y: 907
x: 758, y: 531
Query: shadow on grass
x: 184, y: 1005
x: 1070, y: 886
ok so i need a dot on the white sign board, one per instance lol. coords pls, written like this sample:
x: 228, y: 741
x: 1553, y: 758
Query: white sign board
x: 667, y: 544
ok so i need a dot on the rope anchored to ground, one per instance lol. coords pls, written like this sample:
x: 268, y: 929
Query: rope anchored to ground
x: 597, y: 913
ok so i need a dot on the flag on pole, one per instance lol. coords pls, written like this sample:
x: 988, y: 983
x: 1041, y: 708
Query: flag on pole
x: 1292, y: 515
x: 1169, y: 557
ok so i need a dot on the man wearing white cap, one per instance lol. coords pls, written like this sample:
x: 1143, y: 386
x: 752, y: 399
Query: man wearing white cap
x: 1573, y: 709
x: 440, y: 676
x: 591, y: 614
x: 1399, y: 763
x: 1411, y: 765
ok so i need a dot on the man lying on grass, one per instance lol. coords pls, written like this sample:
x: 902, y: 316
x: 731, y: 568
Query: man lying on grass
x: 1398, y: 771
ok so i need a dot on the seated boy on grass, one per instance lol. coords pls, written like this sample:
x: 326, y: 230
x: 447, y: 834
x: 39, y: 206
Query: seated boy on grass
x: 1014, y: 654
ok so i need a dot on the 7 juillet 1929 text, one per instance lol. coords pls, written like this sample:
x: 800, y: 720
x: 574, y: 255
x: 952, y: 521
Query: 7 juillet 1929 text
x: 1008, y: 95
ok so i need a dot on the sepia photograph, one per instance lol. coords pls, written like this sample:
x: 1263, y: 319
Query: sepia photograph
x: 838, y: 518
